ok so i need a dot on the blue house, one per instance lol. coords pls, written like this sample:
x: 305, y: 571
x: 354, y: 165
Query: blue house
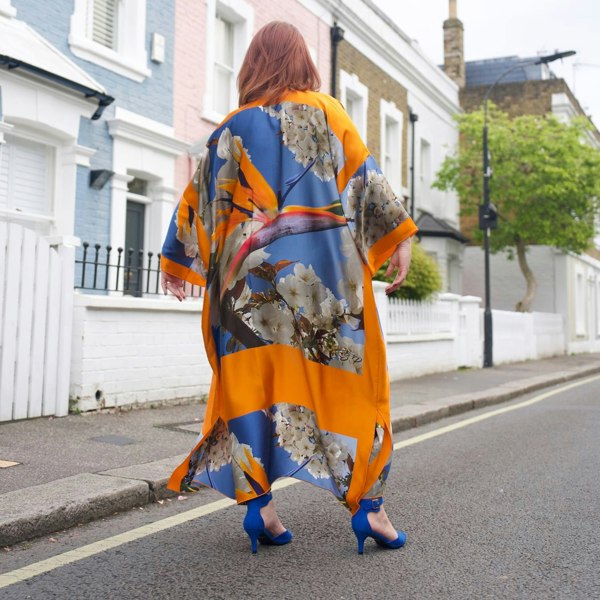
x: 87, y: 145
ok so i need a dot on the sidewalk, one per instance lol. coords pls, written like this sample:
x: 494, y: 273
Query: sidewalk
x: 82, y: 467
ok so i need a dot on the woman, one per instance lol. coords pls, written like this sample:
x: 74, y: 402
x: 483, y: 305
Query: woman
x: 285, y: 222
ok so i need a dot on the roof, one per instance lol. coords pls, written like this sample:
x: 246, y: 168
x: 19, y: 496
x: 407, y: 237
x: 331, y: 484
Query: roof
x: 23, y: 47
x: 431, y: 226
x: 485, y: 72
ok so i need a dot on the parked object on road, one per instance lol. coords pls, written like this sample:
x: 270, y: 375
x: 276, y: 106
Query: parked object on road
x: 285, y: 222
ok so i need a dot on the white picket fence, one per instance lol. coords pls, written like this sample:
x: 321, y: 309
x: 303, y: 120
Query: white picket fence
x: 411, y: 317
x: 36, y: 311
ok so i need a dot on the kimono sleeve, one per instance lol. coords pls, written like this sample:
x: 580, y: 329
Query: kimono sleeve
x: 376, y: 217
x: 186, y: 248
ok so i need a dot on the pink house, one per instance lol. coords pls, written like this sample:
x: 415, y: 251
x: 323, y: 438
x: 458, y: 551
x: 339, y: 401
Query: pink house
x: 211, y: 39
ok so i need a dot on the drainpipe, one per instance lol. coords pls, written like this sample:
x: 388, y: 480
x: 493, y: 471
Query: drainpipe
x: 337, y: 35
x: 413, y: 119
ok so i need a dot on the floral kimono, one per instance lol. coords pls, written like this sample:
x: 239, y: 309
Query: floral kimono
x: 285, y: 222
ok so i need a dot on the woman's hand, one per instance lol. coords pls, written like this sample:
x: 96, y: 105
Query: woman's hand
x: 173, y: 284
x: 400, y: 260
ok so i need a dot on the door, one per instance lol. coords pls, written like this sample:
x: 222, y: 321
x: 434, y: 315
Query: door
x: 134, y: 240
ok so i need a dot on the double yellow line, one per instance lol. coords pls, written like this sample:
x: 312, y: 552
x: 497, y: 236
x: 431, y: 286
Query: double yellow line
x: 72, y: 556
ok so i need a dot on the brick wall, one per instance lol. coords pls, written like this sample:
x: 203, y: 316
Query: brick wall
x: 381, y: 86
x: 519, y: 98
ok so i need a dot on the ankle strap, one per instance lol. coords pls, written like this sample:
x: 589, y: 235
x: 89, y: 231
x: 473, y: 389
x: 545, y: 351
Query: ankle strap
x: 371, y: 504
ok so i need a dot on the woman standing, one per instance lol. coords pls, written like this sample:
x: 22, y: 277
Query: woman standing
x: 285, y: 222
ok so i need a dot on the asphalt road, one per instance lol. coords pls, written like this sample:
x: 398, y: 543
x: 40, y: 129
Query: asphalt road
x: 503, y: 507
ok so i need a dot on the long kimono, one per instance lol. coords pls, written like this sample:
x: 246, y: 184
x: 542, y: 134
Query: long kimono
x: 285, y: 222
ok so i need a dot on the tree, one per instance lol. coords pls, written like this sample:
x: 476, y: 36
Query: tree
x: 545, y: 183
x: 423, y: 279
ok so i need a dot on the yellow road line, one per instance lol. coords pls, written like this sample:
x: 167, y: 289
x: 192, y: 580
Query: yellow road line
x: 488, y: 415
x: 71, y: 556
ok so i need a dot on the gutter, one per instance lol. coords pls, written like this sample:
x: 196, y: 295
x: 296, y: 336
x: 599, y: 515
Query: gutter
x: 103, y: 99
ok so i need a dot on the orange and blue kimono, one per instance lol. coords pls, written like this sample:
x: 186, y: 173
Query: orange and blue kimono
x: 285, y: 222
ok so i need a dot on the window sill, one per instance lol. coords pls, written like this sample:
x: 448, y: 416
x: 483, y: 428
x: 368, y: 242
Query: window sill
x: 109, y: 59
x: 17, y: 215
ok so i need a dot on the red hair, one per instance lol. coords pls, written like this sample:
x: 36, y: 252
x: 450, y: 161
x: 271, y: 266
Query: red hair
x: 277, y: 60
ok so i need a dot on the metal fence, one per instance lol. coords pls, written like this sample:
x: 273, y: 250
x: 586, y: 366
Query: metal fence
x: 132, y: 272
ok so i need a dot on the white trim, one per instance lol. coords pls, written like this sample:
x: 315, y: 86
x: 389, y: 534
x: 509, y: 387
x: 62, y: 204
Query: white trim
x: 83, y: 155
x: 394, y: 52
x: 389, y: 112
x: 143, y: 130
x: 7, y: 9
x: 130, y: 59
x: 170, y: 303
x: 241, y: 14
x: 351, y: 83
x: 580, y: 304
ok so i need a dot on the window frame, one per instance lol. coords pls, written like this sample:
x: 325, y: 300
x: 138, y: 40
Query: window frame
x: 241, y: 15
x: 130, y: 59
x: 349, y: 82
x: 389, y: 111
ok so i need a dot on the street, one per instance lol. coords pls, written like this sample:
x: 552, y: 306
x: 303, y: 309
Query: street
x: 502, y: 503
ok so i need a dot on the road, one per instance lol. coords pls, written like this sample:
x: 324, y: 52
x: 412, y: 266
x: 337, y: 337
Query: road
x: 500, y: 503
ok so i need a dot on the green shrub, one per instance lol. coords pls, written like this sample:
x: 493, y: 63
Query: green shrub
x: 423, y: 278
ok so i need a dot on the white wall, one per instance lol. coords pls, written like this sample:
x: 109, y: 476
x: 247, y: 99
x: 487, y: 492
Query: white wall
x: 136, y: 350
x: 139, y: 350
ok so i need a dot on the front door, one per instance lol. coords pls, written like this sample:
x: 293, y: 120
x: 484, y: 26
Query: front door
x: 134, y: 240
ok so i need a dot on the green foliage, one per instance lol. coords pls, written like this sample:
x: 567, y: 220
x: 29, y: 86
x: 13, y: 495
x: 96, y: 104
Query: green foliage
x: 423, y: 279
x: 545, y: 179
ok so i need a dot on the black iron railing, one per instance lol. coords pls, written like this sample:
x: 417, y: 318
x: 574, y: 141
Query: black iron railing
x: 130, y: 271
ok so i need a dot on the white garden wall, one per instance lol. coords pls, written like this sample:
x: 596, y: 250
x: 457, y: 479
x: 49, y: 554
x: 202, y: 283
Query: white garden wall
x: 136, y: 350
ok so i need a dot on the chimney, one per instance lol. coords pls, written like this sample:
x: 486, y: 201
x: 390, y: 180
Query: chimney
x: 454, y: 52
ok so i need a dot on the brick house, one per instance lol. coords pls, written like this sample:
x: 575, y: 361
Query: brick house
x: 567, y: 283
x: 403, y: 105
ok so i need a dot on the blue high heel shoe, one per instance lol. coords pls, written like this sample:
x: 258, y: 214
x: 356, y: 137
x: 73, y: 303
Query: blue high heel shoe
x: 255, y: 526
x: 362, y: 528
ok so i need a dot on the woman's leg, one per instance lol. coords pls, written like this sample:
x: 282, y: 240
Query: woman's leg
x: 271, y: 519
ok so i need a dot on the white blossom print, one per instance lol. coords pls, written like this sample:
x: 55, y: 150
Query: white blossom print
x: 323, y: 453
x: 212, y: 455
x: 305, y: 132
x: 299, y: 310
x: 372, y: 208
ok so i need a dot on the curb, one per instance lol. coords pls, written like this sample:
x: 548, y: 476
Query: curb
x: 42, y: 509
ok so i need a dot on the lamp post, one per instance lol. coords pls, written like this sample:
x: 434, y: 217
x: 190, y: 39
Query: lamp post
x: 488, y: 215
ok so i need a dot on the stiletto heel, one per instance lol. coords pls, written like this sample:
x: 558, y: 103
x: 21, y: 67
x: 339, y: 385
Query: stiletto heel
x: 254, y: 525
x: 360, y: 538
x: 362, y: 528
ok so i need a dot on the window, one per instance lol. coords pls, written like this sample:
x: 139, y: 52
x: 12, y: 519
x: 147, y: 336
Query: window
x: 391, y: 144
x: 104, y: 22
x: 224, y: 82
x: 229, y: 30
x: 26, y: 178
x: 355, y: 97
x: 112, y: 34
